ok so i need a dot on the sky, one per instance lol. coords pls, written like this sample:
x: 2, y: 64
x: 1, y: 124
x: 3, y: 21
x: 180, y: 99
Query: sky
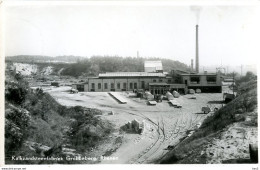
x: 228, y: 35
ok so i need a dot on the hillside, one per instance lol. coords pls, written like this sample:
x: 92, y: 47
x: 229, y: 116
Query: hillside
x: 42, y: 59
x: 224, y: 137
x: 79, y: 66
x: 37, y: 126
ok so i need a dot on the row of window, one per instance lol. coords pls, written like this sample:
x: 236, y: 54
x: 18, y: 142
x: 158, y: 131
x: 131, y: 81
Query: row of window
x: 160, y: 80
x: 132, y: 85
x: 196, y: 80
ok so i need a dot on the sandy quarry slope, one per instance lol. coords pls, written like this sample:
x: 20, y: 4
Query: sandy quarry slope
x: 25, y: 69
x: 225, y: 136
x: 30, y: 69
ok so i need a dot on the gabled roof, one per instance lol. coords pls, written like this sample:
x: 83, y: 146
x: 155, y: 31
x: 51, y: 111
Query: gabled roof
x: 200, y: 74
x: 157, y: 64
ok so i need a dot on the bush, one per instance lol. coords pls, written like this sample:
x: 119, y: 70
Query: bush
x: 16, y: 94
x: 16, y: 127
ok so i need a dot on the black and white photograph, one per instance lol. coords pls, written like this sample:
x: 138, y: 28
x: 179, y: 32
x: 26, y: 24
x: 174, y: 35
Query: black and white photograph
x: 130, y: 83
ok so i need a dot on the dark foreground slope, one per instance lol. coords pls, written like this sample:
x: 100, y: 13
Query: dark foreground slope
x: 37, y: 126
x: 223, y: 137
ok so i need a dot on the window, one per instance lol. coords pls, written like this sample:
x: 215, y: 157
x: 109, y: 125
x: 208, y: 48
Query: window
x: 118, y: 85
x: 169, y: 80
x: 131, y: 85
x: 135, y: 85
x: 143, y: 84
x: 105, y: 85
x: 124, y: 86
x: 160, y: 80
x: 80, y: 87
x: 112, y: 86
x: 194, y: 79
x: 99, y: 85
x: 211, y: 79
x: 154, y: 81
x: 93, y: 85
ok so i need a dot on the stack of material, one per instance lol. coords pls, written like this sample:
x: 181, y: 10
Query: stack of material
x: 129, y: 126
x: 133, y: 127
x: 148, y: 95
x: 198, y: 91
x: 205, y: 110
x: 132, y: 95
x: 191, y: 91
x: 169, y: 96
x: 118, y: 97
x: 152, y: 102
x: 175, y: 103
x: 142, y: 127
x: 176, y: 94
x: 111, y: 113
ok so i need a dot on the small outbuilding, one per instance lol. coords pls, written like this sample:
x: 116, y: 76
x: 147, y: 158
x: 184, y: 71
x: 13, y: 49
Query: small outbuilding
x: 56, y: 84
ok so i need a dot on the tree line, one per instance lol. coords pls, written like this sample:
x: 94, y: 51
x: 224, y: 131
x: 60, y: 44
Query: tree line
x: 101, y: 64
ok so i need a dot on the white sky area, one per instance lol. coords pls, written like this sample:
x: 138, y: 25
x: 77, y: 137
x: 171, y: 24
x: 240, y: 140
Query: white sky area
x: 227, y: 34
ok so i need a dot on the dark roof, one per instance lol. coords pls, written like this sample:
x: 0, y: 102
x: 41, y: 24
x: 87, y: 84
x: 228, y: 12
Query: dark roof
x: 200, y: 74
x: 187, y: 72
x: 82, y: 83
x: 158, y: 84
x: 131, y: 74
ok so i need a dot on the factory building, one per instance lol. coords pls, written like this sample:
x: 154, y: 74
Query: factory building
x: 156, y: 81
x: 124, y: 81
x: 206, y: 82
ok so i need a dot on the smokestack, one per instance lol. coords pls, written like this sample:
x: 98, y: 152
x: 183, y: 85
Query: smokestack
x: 197, y: 48
x: 191, y: 65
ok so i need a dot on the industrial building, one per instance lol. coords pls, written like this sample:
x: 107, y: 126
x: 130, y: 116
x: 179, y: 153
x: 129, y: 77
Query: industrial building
x: 153, y: 79
x: 155, y: 82
x: 153, y: 66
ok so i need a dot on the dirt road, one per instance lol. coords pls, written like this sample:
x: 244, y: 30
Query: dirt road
x: 168, y: 125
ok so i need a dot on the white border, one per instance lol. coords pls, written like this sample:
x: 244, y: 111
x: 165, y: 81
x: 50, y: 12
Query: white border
x: 110, y: 3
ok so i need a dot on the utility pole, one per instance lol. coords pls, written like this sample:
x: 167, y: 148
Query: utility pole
x: 241, y: 70
x: 233, y: 83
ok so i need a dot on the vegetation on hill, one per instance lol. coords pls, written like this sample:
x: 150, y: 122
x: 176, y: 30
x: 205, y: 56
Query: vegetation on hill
x: 243, y: 105
x: 36, y: 125
x: 77, y: 66
x: 100, y: 64
x: 42, y: 59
